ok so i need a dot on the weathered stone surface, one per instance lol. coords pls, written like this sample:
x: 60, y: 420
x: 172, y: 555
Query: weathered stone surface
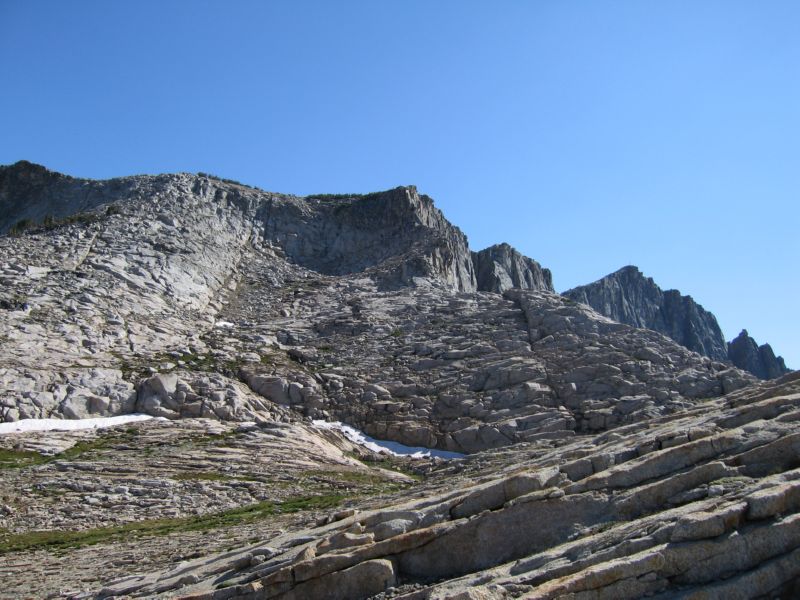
x: 759, y: 360
x: 500, y: 268
x: 629, y: 297
x: 604, y: 460
x: 524, y: 531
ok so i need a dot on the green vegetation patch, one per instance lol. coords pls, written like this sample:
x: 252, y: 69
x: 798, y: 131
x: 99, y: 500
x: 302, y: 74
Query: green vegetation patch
x: 59, y: 540
x: 19, y: 459
x: 386, y: 463
x: 333, y: 197
x: 136, y: 369
x: 226, y: 180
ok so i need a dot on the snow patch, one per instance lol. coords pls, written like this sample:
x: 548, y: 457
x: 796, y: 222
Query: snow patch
x: 384, y: 446
x: 223, y: 324
x: 69, y: 424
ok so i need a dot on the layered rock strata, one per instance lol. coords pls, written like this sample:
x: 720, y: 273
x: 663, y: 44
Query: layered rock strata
x: 604, y: 460
x: 698, y: 504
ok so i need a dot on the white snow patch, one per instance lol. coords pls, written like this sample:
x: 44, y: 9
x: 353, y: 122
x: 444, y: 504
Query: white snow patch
x: 384, y: 446
x: 223, y: 324
x: 69, y: 424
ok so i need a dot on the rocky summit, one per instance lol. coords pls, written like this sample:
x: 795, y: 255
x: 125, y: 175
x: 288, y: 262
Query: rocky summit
x: 746, y: 354
x: 629, y: 297
x: 559, y: 449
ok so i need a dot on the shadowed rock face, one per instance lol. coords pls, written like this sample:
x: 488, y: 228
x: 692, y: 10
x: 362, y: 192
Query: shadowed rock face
x: 500, y: 268
x: 761, y: 361
x: 399, y: 231
x: 629, y: 297
x: 32, y: 193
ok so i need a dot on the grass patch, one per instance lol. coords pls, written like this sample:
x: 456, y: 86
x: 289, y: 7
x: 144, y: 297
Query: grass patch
x: 205, y: 439
x: 206, y: 363
x: 385, y: 463
x: 19, y: 459
x: 59, y: 540
x: 358, y: 477
x: 729, y: 480
x: 202, y: 476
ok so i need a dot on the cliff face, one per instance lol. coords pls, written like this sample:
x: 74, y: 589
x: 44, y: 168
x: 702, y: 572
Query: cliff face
x: 761, y: 361
x: 500, y: 268
x: 30, y: 193
x: 629, y: 297
x: 398, y: 235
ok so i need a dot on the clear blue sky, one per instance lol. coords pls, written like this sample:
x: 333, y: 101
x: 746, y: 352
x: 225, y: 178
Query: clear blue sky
x: 588, y: 134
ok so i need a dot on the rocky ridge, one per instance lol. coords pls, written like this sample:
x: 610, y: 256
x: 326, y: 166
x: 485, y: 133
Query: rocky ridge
x: 629, y: 297
x: 761, y: 361
x: 233, y: 295
x: 499, y: 268
x: 237, y: 316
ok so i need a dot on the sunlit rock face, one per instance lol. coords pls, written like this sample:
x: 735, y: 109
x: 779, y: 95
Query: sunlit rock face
x: 189, y: 296
x: 239, y: 317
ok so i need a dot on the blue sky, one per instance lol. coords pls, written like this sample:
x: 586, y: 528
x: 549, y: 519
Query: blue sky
x: 588, y: 134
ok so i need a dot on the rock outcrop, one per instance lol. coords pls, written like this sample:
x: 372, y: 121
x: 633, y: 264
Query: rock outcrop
x: 704, y: 503
x: 600, y: 459
x: 31, y: 194
x: 357, y: 308
x: 399, y: 235
x: 761, y: 361
x: 500, y: 268
x: 629, y: 297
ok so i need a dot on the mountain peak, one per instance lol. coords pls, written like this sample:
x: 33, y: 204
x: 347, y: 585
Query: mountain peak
x: 501, y: 267
x: 630, y: 297
x: 746, y: 354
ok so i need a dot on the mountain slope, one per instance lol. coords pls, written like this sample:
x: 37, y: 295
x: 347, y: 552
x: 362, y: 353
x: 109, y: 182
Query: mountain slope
x: 600, y: 458
x: 360, y: 307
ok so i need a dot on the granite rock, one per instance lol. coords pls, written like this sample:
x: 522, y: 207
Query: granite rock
x: 761, y: 361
